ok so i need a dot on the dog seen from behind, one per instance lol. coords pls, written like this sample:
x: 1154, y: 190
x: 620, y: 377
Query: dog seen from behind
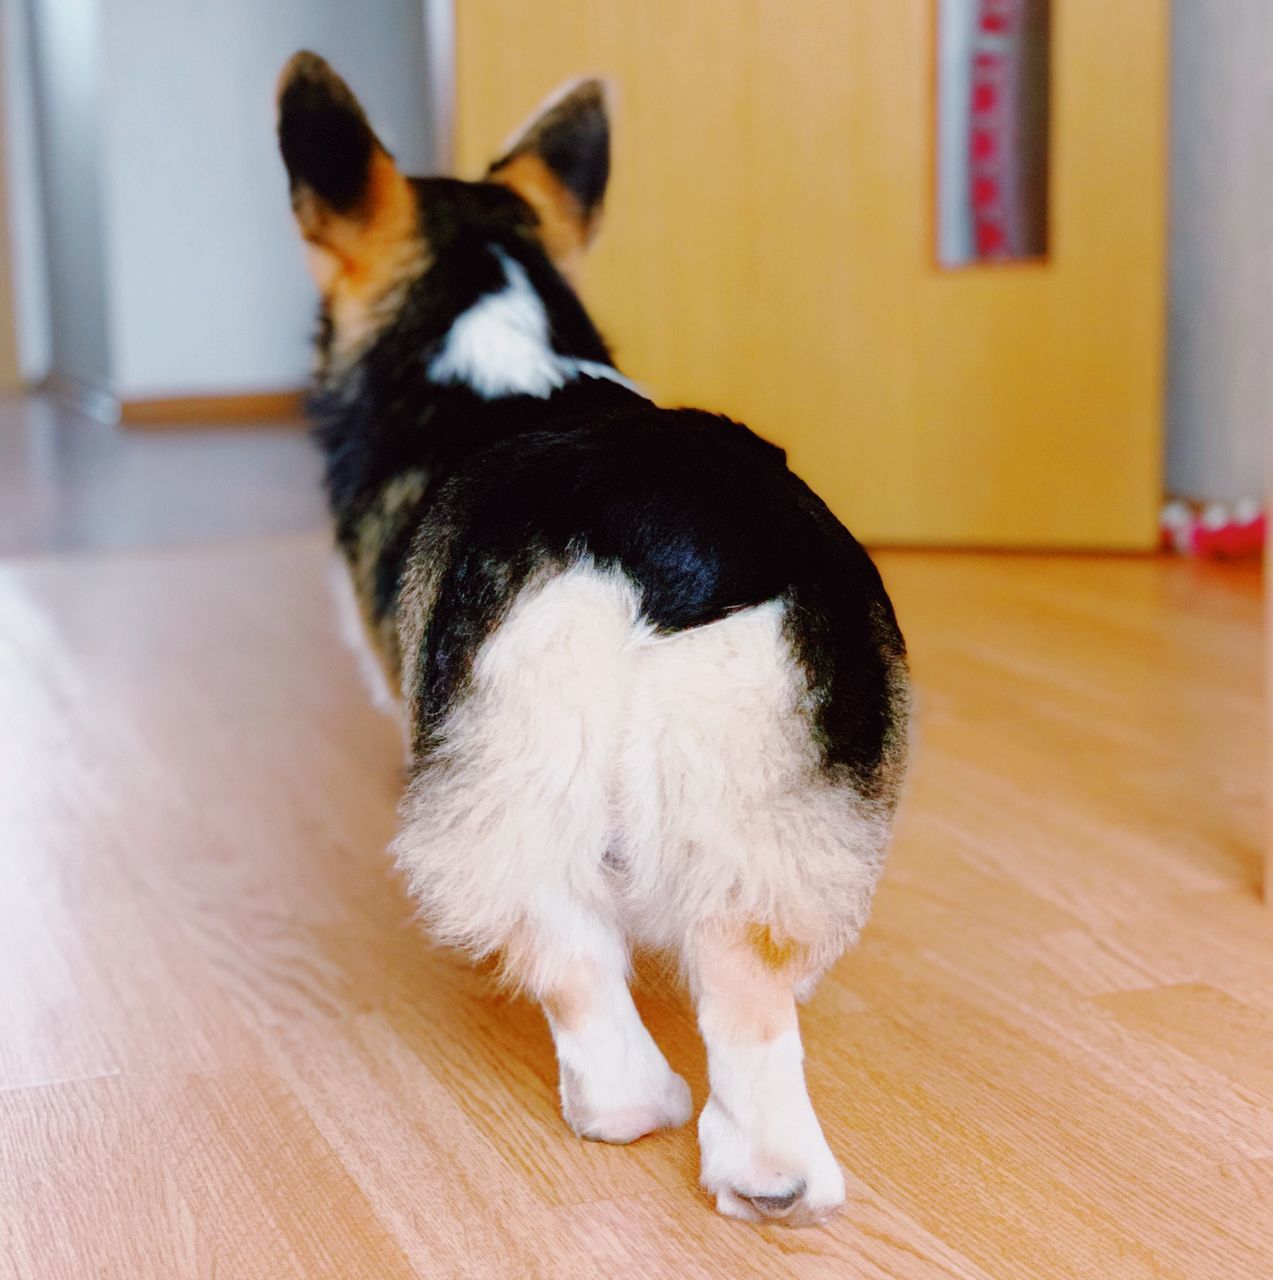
x: 654, y: 693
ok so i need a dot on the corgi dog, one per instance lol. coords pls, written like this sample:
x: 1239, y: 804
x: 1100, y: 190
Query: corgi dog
x: 654, y: 693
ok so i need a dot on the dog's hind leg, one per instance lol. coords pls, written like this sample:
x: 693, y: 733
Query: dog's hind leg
x: 616, y: 1085
x: 756, y: 863
x: 504, y: 834
x: 763, y: 1151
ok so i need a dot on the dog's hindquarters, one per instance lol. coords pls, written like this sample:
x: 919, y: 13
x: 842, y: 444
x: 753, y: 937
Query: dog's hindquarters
x: 661, y: 781
x: 598, y: 784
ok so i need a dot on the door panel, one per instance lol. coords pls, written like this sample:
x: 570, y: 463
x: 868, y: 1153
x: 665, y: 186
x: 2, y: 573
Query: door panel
x: 769, y: 252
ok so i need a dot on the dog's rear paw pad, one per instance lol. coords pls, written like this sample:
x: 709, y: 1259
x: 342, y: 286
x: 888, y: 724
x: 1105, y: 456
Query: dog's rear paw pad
x: 794, y: 1208
x: 791, y: 1178
x: 774, y: 1206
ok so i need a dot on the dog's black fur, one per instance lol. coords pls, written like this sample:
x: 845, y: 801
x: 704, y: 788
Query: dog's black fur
x: 697, y: 510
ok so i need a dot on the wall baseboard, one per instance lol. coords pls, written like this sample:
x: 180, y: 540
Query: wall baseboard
x: 163, y: 413
x: 243, y: 409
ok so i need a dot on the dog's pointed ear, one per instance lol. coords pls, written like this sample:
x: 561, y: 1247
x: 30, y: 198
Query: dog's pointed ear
x: 351, y: 203
x: 559, y: 164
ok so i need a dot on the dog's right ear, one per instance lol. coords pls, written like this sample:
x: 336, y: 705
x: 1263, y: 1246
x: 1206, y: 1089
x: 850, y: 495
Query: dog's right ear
x: 354, y: 209
x: 559, y: 164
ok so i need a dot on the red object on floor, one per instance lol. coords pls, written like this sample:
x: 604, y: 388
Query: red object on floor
x: 1216, y: 532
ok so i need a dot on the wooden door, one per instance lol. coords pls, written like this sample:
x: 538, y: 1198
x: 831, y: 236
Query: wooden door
x: 769, y: 252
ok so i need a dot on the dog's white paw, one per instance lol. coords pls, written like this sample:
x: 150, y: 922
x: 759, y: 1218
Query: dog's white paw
x: 781, y: 1170
x: 622, y: 1111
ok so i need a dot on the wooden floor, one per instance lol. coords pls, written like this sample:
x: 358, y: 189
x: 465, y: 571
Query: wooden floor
x: 68, y: 483
x: 226, y: 1052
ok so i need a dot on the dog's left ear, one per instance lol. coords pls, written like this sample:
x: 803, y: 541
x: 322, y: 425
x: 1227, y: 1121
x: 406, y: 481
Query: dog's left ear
x: 355, y: 211
x: 559, y: 164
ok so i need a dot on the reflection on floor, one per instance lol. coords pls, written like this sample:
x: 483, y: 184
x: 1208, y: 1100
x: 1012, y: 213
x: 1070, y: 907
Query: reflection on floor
x: 68, y: 483
x: 225, y: 1049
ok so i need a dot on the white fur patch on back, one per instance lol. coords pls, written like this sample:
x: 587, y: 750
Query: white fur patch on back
x: 500, y: 346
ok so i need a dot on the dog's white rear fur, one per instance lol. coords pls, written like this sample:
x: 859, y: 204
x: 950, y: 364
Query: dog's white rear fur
x: 687, y: 757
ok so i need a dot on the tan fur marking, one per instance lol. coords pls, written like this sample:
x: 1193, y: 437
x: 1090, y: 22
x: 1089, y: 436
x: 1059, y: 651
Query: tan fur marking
x: 379, y: 524
x: 570, y: 1004
x: 774, y: 951
x: 748, y: 982
x: 382, y: 255
x: 362, y: 261
x: 564, y: 230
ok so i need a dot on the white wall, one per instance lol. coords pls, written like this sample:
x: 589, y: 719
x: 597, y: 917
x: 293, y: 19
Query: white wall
x: 24, y: 200
x: 173, y: 265
x: 65, y: 47
x: 208, y: 287
x: 1220, y: 335
x: 8, y: 328
x: 209, y: 292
